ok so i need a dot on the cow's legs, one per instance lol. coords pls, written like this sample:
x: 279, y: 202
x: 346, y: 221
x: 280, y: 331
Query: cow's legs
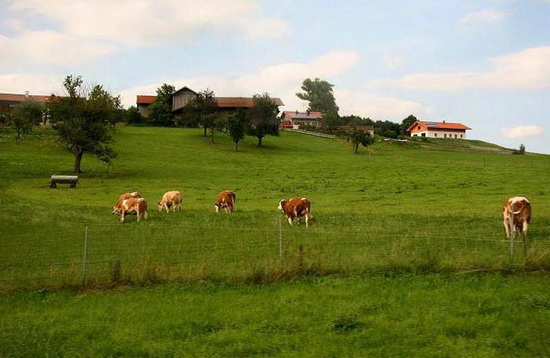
x: 289, y: 220
x: 307, y: 220
x: 507, y: 228
x: 122, y: 214
x: 144, y: 215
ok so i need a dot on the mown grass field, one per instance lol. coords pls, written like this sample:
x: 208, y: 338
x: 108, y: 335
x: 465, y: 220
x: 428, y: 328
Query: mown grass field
x: 388, y: 265
x: 415, y: 206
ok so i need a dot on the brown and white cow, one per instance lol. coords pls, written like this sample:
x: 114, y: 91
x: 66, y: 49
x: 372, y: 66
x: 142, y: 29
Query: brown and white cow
x: 122, y: 197
x: 516, y: 214
x: 296, y: 208
x: 170, y: 199
x: 133, y: 206
x: 226, y: 200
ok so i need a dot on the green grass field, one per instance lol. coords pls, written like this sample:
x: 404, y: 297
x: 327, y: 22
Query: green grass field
x: 408, y: 206
x: 390, y: 267
x: 403, y: 315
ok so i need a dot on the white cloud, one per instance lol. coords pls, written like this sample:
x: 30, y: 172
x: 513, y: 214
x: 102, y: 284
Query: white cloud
x: 521, y: 131
x: 393, y: 61
x: 49, y: 47
x: 150, y: 22
x: 485, y: 17
x: 527, y: 69
x: 35, y: 84
x: 371, y: 105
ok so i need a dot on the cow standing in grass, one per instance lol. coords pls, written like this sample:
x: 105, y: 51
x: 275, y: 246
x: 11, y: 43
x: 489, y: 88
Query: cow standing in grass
x: 133, y: 206
x: 122, y: 197
x: 296, y: 208
x: 170, y: 199
x: 516, y: 213
x: 226, y: 200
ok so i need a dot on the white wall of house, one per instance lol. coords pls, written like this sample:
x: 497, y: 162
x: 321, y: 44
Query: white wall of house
x: 440, y: 134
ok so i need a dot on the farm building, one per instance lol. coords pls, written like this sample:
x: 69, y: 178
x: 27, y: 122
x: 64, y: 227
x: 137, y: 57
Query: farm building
x: 184, y: 95
x: 8, y: 100
x: 294, y: 119
x: 11, y: 99
x: 438, y: 129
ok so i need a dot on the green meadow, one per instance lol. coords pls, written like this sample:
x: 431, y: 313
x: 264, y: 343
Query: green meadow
x: 407, y: 255
x: 417, y: 206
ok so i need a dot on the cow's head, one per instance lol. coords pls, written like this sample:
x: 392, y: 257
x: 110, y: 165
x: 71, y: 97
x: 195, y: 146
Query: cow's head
x: 160, y: 206
x: 116, y: 210
x: 281, y: 205
x: 217, y: 207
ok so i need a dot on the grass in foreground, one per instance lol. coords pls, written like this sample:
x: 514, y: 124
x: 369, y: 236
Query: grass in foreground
x: 382, y: 316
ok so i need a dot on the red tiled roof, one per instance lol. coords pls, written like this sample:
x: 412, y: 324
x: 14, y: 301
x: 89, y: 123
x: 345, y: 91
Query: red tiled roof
x: 17, y: 98
x: 302, y: 115
x: 143, y: 99
x: 439, y: 125
x: 244, y: 102
x: 223, y: 102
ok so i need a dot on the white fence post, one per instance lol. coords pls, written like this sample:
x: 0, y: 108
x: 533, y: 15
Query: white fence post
x: 281, y: 248
x: 84, y: 272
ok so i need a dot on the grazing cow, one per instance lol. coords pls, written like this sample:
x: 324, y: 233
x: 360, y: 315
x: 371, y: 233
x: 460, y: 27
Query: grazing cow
x: 170, y: 199
x: 122, y: 197
x: 226, y: 200
x: 296, y: 208
x: 133, y: 206
x: 516, y: 213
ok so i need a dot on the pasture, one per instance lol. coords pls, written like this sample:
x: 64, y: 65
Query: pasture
x: 392, y: 266
x: 421, y: 207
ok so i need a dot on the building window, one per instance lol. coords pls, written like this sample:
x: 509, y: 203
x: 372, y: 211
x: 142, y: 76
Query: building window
x: 455, y: 136
x: 435, y: 134
x: 423, y: 134
x: 444, y: 135
x: 461, y: 136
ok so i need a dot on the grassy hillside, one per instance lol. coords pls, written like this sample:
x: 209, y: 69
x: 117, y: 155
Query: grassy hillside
x: 413, y: 206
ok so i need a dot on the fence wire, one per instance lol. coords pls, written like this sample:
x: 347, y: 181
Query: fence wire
x: 102, y: 255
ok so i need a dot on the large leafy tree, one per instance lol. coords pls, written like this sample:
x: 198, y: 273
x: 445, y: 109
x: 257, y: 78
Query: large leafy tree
x: 25, y: 116
x: 83, y: 121
x: 319, y: 94
x: 160, y: 111
x: 202, y: 108
x: 262, y: 117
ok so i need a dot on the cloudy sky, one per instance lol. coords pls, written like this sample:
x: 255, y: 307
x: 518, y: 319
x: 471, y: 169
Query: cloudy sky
x: 484, y: 63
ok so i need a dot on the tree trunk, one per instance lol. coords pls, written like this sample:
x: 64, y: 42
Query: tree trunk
x: 236, y: 146
x: 356, y: 148
x: 205, y: 127
x: 77, y: 159
x: 260, y: 141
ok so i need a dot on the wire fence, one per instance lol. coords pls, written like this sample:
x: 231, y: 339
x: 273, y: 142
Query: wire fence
x: 104, y: 255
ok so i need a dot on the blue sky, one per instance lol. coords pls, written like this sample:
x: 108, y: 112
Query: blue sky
x: 484, y: 63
